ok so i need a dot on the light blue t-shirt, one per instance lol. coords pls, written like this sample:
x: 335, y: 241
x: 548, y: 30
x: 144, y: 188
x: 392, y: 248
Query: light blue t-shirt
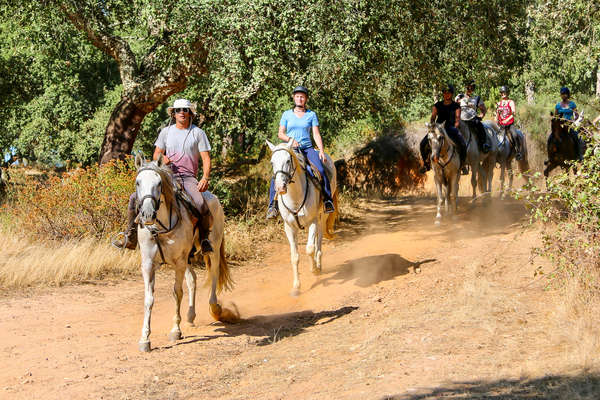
x: 566, y: 112
x: 299, y: 128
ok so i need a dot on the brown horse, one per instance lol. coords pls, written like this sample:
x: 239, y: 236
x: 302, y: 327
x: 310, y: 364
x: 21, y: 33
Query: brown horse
x: 562, y: 146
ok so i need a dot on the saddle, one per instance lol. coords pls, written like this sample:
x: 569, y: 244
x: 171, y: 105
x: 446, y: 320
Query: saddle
x: 312, y: 171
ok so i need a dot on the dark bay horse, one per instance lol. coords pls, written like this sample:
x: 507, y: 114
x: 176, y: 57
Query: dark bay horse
x: 562, y: 146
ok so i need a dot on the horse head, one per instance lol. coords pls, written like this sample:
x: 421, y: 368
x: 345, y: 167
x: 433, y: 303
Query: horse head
x: 559, y: 126
x: 149, y: 187
x: 284, y: 163
x: 436, y: 134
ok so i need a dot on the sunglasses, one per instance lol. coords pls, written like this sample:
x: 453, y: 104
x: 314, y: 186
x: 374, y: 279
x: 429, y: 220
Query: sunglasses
x: 185, y: 110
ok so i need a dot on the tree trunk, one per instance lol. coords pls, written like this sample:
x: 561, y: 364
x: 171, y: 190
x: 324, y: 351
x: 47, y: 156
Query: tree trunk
x: 530, y: 92
x: 121, y: 131
x: 598, y: 80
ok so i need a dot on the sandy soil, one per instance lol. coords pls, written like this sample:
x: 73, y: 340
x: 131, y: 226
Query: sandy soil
x: 403, y: 310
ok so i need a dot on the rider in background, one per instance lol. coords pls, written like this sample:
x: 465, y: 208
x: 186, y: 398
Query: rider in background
x: 447, y: 112
x: 568, y: 110
x: 296, y: 125
x: 505, y: 117
x: 470, y: 104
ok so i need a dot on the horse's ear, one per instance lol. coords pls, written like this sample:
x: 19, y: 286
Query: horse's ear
x: 271, y: 145
x: 551, y: 114
x: 290, y: 144
x: 160, y: 161
x: 140, y: 160
x: 427, y: 125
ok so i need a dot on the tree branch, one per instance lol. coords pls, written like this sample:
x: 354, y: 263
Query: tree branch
x: 98, y: 31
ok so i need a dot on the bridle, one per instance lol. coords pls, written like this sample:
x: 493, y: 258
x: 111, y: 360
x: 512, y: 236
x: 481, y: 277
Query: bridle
x: 156, y: 204
x: 290, y: 177
x: 283, y: 172
x: 442, y: 138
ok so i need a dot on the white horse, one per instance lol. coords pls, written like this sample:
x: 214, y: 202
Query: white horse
x: 506, y: 154
x: 300, y: 205
x: 482, y: 164
x: 166, y: 235
x: 445, y: 162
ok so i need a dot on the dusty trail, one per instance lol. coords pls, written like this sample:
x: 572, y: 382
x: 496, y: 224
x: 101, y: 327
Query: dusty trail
x: 401, y: 307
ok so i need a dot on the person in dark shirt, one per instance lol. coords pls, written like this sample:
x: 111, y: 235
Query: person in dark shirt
x: 447, y: 112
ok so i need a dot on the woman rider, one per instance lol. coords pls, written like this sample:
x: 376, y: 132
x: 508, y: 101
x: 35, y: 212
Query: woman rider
x: 296, y: 125
x: 568, y: 109
x: 447, y: 112
x: 505, y: 117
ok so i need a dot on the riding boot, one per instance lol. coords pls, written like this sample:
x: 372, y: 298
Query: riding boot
x: 426, y: 167
x: 204, y: 225
x: 462, y: 153
x: 484, y: 146
x: 130, y: 235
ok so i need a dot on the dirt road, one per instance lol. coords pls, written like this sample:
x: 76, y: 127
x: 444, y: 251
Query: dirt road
x: 402, y: 310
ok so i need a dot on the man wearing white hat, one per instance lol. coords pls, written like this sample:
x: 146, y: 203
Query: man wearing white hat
x: 181, y: 146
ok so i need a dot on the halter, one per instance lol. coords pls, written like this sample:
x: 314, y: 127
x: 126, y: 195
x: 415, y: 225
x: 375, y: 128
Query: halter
x: 156, y: 204
x: 290, y: 176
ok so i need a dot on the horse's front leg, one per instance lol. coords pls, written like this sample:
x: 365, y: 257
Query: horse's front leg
x: 502, y: 175
x: 311, y: 245
x: 474, y: 171
x: 190, y: 278
x: 149, y: 274
x: 455, y: 194
x: 440, y: 199
x: 292, y: 236
x: 511, y: 175
x: 175, y: 333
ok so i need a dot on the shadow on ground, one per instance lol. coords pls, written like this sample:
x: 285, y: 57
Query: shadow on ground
x: 583, y: 387
x: 272, y: 328
x: 371, y: 270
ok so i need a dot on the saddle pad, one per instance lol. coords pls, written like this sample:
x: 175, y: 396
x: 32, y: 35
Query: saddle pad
x: 186, y: 200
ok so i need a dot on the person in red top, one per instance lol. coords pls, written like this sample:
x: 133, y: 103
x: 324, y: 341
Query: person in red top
x: 505, y: 117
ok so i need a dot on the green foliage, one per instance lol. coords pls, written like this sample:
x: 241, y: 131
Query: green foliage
x: 563, y: 44
x: 570, y: 210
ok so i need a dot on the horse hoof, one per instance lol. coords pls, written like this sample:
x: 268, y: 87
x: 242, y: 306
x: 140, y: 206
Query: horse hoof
x: 215, y: 311
x: 316, y: 271
x: 191, y: 316
x: 295, y: 292
x: 437, y: 222
x: 174, y: 336
x: 144, y: 346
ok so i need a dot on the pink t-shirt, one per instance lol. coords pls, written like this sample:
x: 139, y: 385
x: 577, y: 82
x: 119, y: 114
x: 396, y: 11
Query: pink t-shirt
x: 183, y: 147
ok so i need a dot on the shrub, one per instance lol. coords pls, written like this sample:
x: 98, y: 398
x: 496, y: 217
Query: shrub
x: 89, y: 202
x: 570, y: 211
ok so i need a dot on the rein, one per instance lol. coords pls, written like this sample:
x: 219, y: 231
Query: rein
x: 290, y: 176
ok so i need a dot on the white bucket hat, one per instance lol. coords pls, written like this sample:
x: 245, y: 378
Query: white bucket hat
x: 182, y: 103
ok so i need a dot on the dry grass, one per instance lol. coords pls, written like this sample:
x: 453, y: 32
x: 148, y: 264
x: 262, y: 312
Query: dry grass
x: 25, y: 263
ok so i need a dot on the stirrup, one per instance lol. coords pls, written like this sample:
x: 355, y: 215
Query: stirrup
x: 272, y: 212
x: 116, y: 242
x: 464, y: 170
x: 329, y: 208
x: 125, y: 243
x: 423, y: 169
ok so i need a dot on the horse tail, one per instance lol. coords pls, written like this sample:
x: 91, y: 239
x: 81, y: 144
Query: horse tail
x: 524, y: 162
x: 225, y: 281
x: 332, y: 218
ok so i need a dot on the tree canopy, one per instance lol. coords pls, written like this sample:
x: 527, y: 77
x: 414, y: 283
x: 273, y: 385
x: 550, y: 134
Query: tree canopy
x: 87, y: 80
